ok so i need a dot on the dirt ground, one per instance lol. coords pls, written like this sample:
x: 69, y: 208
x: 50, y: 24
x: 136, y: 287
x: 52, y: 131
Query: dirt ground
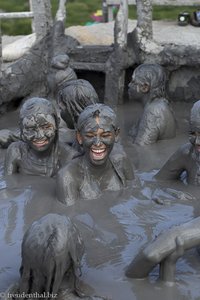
x: 102, y: 34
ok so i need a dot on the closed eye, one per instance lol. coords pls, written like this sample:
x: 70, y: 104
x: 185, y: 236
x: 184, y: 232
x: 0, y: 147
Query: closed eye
x: 106, y: 134
x: 47, y: 126
x: 29, y: 128
x: 89, y: 135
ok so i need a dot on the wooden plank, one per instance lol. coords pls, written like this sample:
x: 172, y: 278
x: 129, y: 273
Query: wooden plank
x: 98, y: 67
x: 16, y: 15
x: 90, y: 54
x: 159, y: 2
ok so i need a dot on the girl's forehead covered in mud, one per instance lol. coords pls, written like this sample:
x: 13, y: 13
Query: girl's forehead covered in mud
x: 37, y: 106
x: 195, y: 117
x: 97, y: 116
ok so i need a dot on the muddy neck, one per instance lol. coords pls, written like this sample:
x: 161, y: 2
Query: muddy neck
x: 43, y: 154
x: 97, y: 170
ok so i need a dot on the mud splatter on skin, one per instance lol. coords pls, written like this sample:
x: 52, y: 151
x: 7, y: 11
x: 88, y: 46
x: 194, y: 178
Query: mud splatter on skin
x: 39, y: 131
x: 96, y: 170
x: 185, y: 162
x: 39, y: 151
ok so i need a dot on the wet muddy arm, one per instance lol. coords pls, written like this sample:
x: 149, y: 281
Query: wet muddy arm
x: 128, y: 169
x: 66, y: 187
x: 12, y: 159
x: 173, y: 168
x: 121, y: 162
x: 8, y: 136
x: 166, y: 249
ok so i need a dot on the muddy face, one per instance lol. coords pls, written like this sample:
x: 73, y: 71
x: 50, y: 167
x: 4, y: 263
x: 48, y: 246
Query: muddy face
x: 39, y: 131
x: 195, y: 140
x: 97, y: 139
x: 194, y: 135
x: 137, y: 87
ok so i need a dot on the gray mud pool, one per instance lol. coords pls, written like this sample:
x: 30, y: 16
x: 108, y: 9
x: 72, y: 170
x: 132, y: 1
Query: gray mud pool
x: 116, y: 226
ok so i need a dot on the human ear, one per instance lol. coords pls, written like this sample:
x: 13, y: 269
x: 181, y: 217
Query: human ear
x: 145, y: 88
x: 79, y: 138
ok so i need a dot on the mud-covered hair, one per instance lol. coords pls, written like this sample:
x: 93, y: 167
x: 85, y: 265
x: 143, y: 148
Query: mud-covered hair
x: 75, y: 95
x: 155, y: 76
x: 36, y: 105
x: 97, y: 110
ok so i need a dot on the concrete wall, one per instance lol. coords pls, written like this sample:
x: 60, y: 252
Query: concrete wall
x: 184, y: 84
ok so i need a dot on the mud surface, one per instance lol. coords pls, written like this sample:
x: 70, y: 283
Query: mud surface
x: 114, y: 227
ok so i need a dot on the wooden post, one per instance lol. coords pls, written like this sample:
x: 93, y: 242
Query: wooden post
x: 115, y: 67
x: 61, y: 12
x: 32, y: 21
x: 42, y: 20
x: 105, y: 11
x: 144, y: 18
x: 0, y: 51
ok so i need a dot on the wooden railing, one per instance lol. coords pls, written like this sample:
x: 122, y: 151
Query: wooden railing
x: 109, y: 4
x: 40, y: 13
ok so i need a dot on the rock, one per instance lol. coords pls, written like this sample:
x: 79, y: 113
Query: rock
x: 16, y: 49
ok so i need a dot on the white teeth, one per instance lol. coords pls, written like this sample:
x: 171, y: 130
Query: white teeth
x: 40, y: 142
x: 98, y: 150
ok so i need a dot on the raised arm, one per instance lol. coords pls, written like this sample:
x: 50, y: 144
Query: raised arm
x: 175, y: 165
x: 7, y: 137
x: 165, y: 250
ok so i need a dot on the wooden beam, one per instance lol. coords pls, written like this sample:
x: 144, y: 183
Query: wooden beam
x: 160, y: 2
x: 16, y: 15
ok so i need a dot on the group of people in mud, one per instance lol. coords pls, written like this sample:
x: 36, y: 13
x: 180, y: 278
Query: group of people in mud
x: 90, y: 158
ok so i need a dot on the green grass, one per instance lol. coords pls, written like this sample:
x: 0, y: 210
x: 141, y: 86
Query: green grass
x: 15, y: 26
x: 78, y: 13
x: 163, y: 12
x: 170, y: 12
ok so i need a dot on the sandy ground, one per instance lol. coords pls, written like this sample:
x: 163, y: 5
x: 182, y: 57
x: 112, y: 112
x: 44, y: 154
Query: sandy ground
x: 102, y: 34
x: 163, y: 31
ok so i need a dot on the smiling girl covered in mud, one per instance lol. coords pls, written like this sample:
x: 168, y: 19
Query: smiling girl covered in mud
x: 96, y: 170
x: 38, y: 152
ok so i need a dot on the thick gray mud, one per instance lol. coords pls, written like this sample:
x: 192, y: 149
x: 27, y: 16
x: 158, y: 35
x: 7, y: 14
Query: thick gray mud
x: 114, y: 227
